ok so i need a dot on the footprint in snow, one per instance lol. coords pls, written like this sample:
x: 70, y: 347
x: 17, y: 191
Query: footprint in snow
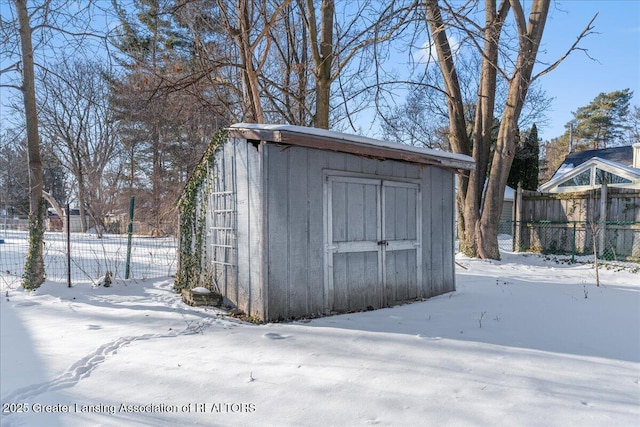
x: 86, y: 365
x: 26, y: 304
x: 274, y: 336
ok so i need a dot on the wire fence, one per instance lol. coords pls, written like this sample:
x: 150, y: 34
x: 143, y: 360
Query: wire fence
x: 578, y: 241
x: 91, y: 256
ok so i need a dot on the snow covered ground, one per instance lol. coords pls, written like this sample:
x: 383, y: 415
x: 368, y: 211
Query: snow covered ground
x: 525, y: 341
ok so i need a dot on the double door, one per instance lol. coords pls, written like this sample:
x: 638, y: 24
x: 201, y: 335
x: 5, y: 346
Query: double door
x: 372, y: 236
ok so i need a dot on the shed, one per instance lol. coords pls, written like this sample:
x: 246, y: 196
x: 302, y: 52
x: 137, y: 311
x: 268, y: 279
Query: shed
x: 301, y: 222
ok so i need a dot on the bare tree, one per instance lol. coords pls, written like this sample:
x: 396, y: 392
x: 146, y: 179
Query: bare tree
x: 34, y: 267
x: 33, y: 31
x: 422, y: 120
x: 249, y: 24
x: 301, y: 62
x: 479, y: 207
x: 337, y: 42
x: 77, y: 119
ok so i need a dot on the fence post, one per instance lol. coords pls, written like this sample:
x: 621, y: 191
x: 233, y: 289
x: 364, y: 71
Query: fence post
x: 132, y: 204
x: 517, y: 240
x: 67, y: 221
x: 573, y: 246
x: 603, y: 219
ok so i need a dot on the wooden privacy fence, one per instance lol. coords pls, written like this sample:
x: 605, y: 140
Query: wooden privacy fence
x: 603, y: 221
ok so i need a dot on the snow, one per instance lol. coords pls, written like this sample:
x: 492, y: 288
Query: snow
x: 564, y: 169
x: 526, y: 341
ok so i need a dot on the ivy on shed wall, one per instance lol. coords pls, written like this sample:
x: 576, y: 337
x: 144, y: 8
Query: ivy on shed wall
x: 192, y: 211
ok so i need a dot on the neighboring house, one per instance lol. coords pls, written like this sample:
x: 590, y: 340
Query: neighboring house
x: 585, y: 170
x: 302, y: 221
x: 507, y: 204
x: 55, y: 223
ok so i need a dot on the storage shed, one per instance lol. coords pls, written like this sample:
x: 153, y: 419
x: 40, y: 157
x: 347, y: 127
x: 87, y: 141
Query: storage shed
x: 300, y: 222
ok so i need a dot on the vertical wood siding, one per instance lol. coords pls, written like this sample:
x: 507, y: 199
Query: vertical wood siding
x: 294, y: 185
x: 221, y: 245
x: 249, y: 190
x: 280, y: 230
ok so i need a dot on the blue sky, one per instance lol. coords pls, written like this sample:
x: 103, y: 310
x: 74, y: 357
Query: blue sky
x: 614, y: 47
x: 615, y: 50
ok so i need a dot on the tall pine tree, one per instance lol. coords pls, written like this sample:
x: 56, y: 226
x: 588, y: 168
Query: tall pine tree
x: 166, y: 123
x: 603, y: 123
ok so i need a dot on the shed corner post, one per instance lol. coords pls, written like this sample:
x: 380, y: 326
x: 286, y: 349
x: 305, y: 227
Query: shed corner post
x: 264, y: 227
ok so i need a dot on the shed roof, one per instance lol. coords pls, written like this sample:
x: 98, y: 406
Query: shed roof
x: 348, y: 143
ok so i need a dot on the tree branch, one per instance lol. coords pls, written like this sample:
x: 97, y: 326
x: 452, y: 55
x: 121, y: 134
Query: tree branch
x: 12, y: 67
x: 587, y: 31
x: 11, y: 86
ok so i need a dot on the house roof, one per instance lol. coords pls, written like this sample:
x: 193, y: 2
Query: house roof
x: 620, y: 155
x: 611, y: 166
x: 348, y: 143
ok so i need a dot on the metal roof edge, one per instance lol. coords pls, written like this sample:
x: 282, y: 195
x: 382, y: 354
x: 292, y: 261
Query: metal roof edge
x: 353, y: 144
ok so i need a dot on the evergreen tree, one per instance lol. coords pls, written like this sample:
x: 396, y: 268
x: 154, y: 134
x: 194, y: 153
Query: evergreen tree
x: 166, y: 120
x: 603, y: 123
x: 525, y: 167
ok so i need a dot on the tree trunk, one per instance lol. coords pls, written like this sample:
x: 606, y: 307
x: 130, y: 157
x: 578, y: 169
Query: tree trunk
x: 34, y: 267
x: 458, y: 138
x: 323, y: 85
x: 252, y: 90
x: 479, y: 209
x: 321, y: 44
x: 529, y: 35
x: 483, y: 123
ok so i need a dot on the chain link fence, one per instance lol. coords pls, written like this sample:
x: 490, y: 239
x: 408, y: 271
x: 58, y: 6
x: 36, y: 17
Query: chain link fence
x: 578, y: 241
x: 91, y: 256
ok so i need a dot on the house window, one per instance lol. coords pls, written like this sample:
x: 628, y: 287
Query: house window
x: 610, y: 178
x: 583, y: 178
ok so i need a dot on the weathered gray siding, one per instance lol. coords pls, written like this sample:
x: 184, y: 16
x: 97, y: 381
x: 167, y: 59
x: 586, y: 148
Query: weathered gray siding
x: 294, y: 230
x: 438, y: 205
x: 221, y: 221
x: 295, y: 248
x: 274, y: 263
x: 236, y: 262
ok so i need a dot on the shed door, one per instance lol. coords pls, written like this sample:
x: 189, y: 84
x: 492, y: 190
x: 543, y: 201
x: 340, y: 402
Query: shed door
x: 373, y: 246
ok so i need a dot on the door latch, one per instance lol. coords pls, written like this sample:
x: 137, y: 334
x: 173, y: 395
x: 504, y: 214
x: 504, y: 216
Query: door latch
x: 383, y: 243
